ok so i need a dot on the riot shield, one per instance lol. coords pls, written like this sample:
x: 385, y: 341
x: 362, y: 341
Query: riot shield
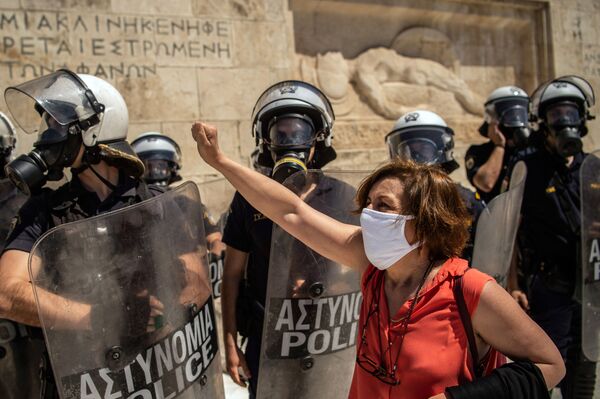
x: 590, y: 240
x: 125, y: 303
x: 11, y: 200
x: 313, y: 304
x: 497, y: 229
x: 217, y: 195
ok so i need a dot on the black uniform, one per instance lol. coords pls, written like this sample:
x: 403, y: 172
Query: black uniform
x: 249, y: 231
x: 474, y: 206
x: 20, y: 353
x: 476, y: 156
x: 549, y: 242
x: 40, y: 213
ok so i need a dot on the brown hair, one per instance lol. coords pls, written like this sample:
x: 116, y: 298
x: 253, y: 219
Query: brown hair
x: 431, y: 197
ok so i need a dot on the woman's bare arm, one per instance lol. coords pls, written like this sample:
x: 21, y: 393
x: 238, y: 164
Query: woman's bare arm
x: 335, y: 240
x: 501, y: 322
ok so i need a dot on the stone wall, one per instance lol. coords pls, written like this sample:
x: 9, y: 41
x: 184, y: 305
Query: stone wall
x: 174, y: 61
x: 183, y: 60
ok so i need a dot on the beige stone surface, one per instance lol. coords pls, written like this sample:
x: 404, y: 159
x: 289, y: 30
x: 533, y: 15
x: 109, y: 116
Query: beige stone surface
x: 153, y: 7
x: 576, y: 33
x: 182, y: 60
x: 169, y: 95
x: 228, y: 94
x: 8, y: 4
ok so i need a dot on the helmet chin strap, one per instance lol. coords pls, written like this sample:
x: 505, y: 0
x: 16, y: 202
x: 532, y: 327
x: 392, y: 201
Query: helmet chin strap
x: 91, y: 157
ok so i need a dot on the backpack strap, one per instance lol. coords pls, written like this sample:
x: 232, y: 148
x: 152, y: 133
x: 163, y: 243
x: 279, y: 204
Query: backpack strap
x: 465, y: 317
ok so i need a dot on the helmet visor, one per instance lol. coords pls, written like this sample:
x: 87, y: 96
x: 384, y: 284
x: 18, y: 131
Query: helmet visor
x: 515, y: 116
x: 420, y: 150
x: 291, y: 132
x: 156, y: 170
x: 61, y: 94
x: 563, y: 114
x: 50, y: 131
x: 583, y: 85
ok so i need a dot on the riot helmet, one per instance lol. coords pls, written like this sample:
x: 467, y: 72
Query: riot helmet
x: 292, y: 124
x: 508, y: 106
x: 67, y: 110
x: 560, y: 108
x: 161, y: 156
x: 424, y: 137
x: 8, y: 142
x: 256, y: 165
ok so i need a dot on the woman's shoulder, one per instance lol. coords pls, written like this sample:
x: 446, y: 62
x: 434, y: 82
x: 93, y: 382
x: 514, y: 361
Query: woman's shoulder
x: 473, y: 281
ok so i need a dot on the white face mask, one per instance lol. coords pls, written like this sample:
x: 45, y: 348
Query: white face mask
x: 384, y: 239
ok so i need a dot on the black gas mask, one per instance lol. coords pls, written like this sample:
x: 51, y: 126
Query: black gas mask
x: 564, y: 123
x: 57, y: 147
x: 513, y: 123
x: 291, y: 138
x: 160, y: 172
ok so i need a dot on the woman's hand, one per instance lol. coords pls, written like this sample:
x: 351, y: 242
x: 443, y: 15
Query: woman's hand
x: 439, y: 396
x: 206, y: 138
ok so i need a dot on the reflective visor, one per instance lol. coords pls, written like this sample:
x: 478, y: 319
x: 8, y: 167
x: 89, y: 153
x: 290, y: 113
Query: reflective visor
x: 50, y: 131
x: 564, y: 114
x: 515, y: 116
x: 157, y: 169
x: 291, y: 132
x: 420, y: 150
x: 60, y: 94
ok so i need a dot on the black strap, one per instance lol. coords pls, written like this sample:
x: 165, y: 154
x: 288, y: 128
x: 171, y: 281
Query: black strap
x: 465, y: 317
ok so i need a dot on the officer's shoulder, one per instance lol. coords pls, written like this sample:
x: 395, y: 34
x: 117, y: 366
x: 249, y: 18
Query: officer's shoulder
x: 527, y: 154
x: 476, y: 149
x: 467, y: 194
x: 153, y: 189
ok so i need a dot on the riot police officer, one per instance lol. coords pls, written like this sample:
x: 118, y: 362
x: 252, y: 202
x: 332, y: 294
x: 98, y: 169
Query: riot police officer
x: 10, y: 199
x: 549, y: 235
x: 162, y: 159
x: 506, y: 127
x: 424, y: 137
x: 20, y: 350
x: 292, y: 122
x: 81, y: 123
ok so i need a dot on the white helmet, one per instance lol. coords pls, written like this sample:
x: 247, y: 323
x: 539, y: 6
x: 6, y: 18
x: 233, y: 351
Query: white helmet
x: 424, y: 137
x: 509, y: 107
x: 85, y: 103
x: 294, y: 98
x: 502, y: 99
x: 161, y: 156
x: 67, y: 109
x: 8, y: 140
x: 569, y: 88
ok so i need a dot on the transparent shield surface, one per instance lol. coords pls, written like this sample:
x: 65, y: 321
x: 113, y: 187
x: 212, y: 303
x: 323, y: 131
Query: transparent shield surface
x: 590, y: 240
x: 497, y: 229
x: 133, y: 313
x: 313, y: 304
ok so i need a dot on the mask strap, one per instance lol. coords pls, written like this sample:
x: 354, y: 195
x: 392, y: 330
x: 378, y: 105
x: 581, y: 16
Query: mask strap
x: 103, y: 180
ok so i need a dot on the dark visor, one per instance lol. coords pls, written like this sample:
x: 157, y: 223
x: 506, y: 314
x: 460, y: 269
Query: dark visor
x: 291, y: 132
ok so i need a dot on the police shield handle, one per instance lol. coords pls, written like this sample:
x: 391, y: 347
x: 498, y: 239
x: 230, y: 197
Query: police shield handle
x: 207, y: 142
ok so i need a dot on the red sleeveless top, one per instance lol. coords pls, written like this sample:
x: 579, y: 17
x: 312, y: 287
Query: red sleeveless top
x: 434, y: 354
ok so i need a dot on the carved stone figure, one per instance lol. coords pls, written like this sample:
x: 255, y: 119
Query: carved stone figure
x: 389, y: 83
